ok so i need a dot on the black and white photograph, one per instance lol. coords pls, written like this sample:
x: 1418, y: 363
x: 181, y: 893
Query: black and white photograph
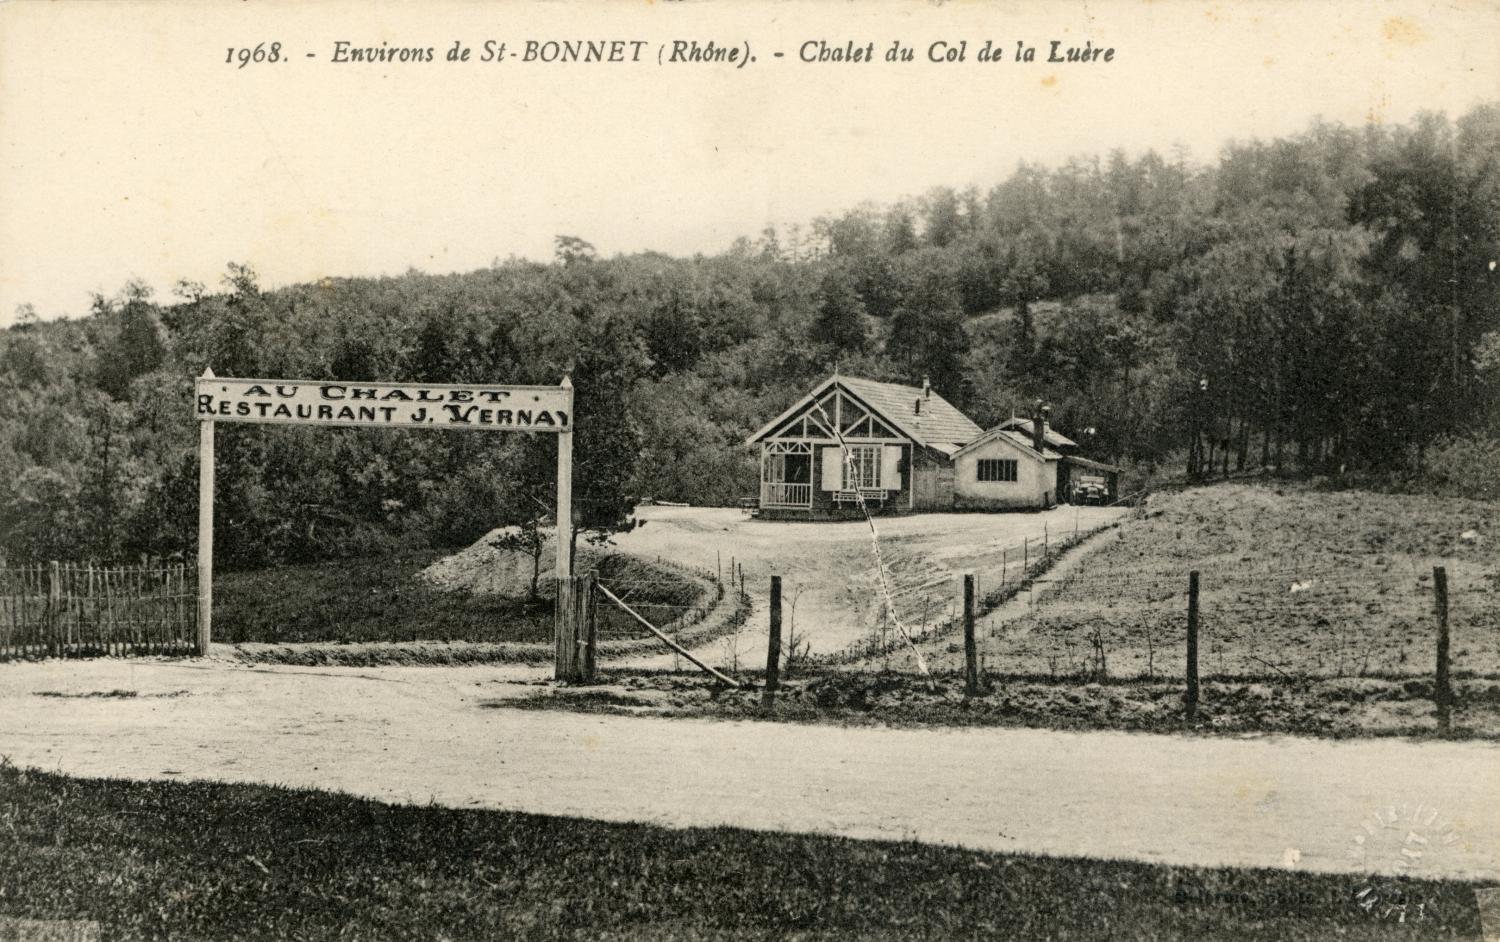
x: 750, y: 470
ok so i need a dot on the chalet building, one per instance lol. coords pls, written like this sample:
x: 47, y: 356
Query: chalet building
x: 910, y: 450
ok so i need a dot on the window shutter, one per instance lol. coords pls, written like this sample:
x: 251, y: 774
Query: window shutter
x: 890, y: 464
x: 833, y: 469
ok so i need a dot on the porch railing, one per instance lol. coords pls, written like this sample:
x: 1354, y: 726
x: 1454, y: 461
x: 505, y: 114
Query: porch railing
x: 773, y: 494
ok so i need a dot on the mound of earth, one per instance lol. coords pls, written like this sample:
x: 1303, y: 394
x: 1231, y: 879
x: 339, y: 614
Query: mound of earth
x: 490, y: 567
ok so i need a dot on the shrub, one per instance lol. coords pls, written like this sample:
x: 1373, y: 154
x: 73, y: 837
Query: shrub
x: 1467, y: 466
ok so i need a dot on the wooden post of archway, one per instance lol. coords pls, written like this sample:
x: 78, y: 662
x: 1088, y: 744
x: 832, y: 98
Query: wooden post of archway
x: 573, y: 631
x: 205, y: 527
x: 565, y: 492
x: 540, y: 409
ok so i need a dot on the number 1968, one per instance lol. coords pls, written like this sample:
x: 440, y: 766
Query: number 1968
x: 261, y: 53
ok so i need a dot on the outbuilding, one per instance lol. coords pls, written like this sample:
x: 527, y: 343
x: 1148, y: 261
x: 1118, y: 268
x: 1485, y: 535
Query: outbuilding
x: 1003, y: 469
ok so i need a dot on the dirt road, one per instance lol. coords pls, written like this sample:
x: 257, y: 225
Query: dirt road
x: 420, y: 734
x: 829, y: 581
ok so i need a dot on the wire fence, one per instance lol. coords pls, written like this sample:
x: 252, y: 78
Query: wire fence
x: 1332, y: 619
x: 930, y: 604
x: 674, y: 597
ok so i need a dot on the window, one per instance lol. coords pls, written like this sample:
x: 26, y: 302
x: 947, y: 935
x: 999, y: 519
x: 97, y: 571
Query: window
x: 997, y: 469
x: 863, y: 468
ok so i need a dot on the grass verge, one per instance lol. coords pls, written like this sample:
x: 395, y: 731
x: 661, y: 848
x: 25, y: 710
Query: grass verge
x: 717, y: 613
x: 1338, y: 708
x: 215, y: 861
x: 385, y: 599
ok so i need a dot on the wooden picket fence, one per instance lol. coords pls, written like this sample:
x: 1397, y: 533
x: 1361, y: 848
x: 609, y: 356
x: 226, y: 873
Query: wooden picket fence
x: 72, y: 610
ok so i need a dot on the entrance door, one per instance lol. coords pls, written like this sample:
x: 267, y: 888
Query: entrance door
x: 798, y: 469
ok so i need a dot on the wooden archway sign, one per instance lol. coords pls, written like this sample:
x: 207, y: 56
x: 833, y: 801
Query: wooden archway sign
x: 482, y: 408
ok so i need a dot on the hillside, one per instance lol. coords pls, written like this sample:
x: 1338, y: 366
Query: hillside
x: 1321, y: 303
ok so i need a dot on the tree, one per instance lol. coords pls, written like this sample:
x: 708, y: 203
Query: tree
x: 138, y: 344
x: 927, y: 334
x: 900, y: 231
x: 1024, y: 283
x: 111, y: 483
x: 854, y: 235
x: 571, y: 250
x: 840, y: 321
x: 227, y: 332
x: 189, y: 291
x: 943, y: 224
x: 527, y: 539
x: 26, y: 355
x: 1434, y: 216
x: 608, y: 361
x: 38, y: 516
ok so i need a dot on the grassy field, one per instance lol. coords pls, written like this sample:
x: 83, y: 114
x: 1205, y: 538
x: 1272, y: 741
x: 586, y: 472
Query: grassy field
x: 385, y: 599
x: 212, y: 861
x: 1295, y: 583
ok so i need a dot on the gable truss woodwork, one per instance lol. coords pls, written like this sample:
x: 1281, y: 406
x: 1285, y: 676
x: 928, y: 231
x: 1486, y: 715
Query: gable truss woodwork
x: 836, y: 408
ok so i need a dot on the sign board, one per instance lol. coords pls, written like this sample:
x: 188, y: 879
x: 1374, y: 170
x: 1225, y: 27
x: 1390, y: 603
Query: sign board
x: 385, y: 405
x: 380, y: 405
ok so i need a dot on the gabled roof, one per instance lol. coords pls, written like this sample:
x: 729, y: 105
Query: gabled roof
x: 1015, y: 438
x: 1054, y: 438
x: 939, y: 425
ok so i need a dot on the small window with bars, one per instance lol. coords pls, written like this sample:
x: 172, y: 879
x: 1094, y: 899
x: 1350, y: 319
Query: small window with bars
x: 997, y: 469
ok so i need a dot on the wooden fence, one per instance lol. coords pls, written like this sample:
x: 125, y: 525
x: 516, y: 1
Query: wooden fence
x: 65, y: 609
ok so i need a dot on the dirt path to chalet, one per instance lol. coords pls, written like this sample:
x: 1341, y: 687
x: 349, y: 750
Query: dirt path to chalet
x: 829, y: 584
x: 1004, y: 617
x: 434, y: 734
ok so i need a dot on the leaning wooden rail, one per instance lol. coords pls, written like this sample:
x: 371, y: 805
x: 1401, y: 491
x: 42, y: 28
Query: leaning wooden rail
x: 674, y: 645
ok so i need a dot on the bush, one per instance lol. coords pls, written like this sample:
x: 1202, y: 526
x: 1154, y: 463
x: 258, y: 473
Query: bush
x: 1467, y: 466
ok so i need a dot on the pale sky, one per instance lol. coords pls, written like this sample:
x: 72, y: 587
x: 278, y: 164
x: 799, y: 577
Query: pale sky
x: 129, y: 148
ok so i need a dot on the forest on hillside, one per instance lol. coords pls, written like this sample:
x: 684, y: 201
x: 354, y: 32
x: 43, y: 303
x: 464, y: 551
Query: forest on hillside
x: 1327, y: 303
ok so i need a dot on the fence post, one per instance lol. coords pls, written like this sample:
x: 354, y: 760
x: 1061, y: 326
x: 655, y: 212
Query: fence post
x: 572, y: 631
x: 94, y: 611
x: 1025, y: 555
x: 54, y: 609
x: 1045, y: 541
x: 1442, y: 691
x: 971, y: 651
x: 773, y: 646
x: 1192, y: 646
